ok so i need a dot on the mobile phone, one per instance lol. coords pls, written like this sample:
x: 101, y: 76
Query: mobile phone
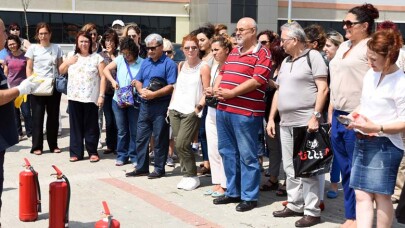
x: 344, y: 120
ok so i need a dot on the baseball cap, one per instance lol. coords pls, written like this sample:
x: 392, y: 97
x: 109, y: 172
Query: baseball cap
x: 118, y: 22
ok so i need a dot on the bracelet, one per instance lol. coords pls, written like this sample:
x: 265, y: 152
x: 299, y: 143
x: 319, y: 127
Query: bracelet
x: 102, y: 95
x: 199, y: 107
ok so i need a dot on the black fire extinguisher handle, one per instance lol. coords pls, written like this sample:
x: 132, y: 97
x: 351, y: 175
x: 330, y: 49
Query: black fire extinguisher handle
x: 68, y: 201
x: 38, y: 188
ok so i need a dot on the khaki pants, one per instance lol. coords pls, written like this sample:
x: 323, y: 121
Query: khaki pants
x: 400, y: 179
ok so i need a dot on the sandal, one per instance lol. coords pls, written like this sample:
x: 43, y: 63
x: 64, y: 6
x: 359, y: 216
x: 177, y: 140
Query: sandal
x: 204, y: 171
x: 281, y: 192
x: 94, y: 158
x: 37, y: 152
x: 108, y: 151
x: 74, y: 159
x: 271, y: 187
x: 56, y: 150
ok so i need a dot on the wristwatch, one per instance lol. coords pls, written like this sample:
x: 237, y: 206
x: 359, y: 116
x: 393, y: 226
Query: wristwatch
x: 199, y: 107
x: 317, y: 114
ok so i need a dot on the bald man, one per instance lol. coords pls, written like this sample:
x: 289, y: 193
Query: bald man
x: 240, y: 90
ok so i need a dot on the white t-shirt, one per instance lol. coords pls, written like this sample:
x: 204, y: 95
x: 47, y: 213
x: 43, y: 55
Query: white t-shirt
x: 84, y: 80
x: 189, y: 89
x: 384, y: 103
x: 44, y: 59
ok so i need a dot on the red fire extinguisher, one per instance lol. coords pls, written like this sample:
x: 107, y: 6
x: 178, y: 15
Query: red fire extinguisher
x: 107, y: 221
x: 30, y: 194
x: 59, y: 199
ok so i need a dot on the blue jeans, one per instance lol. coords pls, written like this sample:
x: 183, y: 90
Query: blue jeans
x: 237, y: 144
x: 126, y: 119
x: 343, y: 141
x: 152, y: 119
x: 110, y: 125
x: 335, y: 171
x: 260, y: 142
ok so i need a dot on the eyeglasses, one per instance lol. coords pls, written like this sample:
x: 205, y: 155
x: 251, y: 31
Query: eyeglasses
x: 264, y: 42
x: 43, y: 34
x: 284, y: 40
x: 191, y: 48
x: 93, y: 34
x: 153, y: 48
x: 132, y: 36
x: 15, y: 29
x: 349, y: 24
x: 168, y: 52
x: 241, y: 29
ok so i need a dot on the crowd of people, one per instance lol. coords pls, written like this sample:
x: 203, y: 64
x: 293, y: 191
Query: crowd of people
x: 237, y: 97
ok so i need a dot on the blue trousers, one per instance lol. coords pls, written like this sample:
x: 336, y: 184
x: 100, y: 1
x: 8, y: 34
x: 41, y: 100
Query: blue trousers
x: 343, y: 142
x: 110, y: 125
x: 237, y: 145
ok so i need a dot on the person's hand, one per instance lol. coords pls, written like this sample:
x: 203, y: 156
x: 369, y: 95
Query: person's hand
x: 148, y: 94
x: 72, y: 60
x: 271, y: 128
x: 367, y: 126
x: 133, y: 83
x: 313, y: 124
x: 115, y: 85
x: 209, y: 91
x: 28, y: 85
x: 100, y: 102
x: 224, y: 94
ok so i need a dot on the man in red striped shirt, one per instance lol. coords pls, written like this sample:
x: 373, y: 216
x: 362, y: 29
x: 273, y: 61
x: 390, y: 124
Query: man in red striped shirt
x: 240, y: 90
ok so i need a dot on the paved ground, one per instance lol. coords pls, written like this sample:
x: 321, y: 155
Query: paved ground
x: 136, y: 202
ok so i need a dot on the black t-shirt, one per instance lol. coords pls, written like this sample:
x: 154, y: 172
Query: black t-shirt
x: 8, y: 126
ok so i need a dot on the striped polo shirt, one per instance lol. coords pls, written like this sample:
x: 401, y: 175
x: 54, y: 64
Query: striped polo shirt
x: 239, y: 68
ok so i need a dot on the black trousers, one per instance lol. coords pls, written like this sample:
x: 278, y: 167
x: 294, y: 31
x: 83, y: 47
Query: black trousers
x: 2, y: 153
x: 400, y: 211
x: 38, y: 105
x: 83, y: 120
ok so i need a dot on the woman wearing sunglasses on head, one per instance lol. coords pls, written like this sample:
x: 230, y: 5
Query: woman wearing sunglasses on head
x: 15, y: 29
x: 133, y: 31
x: 347, y: 70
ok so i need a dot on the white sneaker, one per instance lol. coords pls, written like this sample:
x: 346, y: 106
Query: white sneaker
x: 180, y: 185
x: 192, y: 183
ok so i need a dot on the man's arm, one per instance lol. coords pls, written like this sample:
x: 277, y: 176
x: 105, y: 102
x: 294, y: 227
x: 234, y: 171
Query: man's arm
x: 322, y: 85
x: 8, y: 95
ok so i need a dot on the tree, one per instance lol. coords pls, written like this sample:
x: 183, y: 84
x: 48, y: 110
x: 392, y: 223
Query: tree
x: 25, y: 4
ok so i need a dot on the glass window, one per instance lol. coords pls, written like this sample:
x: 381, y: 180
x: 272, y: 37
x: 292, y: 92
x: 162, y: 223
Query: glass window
x: 243, y: 8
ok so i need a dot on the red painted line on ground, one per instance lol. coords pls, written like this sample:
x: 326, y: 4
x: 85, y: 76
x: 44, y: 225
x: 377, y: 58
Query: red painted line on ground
x: 164, y: 205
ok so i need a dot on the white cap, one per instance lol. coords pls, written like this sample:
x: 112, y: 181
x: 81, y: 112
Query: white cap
x: 118, y: 22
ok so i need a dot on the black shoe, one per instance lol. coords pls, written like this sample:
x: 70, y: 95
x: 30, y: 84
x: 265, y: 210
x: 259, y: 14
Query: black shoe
x: 246, y: 206
x: 136, y: 173
x: 154, y: 175
x: 226, y: 200
x: 307, y: 221
x: 286, y: 212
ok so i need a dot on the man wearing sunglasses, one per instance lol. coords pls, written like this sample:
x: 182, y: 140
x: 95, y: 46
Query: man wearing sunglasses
x: 240, y: 87
x: 153, y: 108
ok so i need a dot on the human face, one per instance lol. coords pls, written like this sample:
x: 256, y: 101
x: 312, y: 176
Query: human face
x: 264, y: 40
x: 93, y: 34
x: 355, y: 30
x: 375, y: 60
x: 44, y: 36
x: 3, y: 35
x: 155, y: 50
x: 110, y: 45
x: 245, y: 32
x: 234, y: 42
x: 330, y: 49
x: 220, y: 53
x: 287, y: 42
x: 128, y: 56
x: 84, y: 44
x: 133, y: 35
x: 222, y: 31
x: 203, y: 42
x: 15, y: 31
x: 168, y: 52
x: 12, y: 45
x: 190, y: 49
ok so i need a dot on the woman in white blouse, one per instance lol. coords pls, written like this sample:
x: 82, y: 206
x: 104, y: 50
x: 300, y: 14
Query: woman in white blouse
x: 85, y: 93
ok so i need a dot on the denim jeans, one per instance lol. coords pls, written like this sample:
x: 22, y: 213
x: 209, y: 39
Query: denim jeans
x: 110, y: 125
x: 343, y: 141
x: 237, y: 144
x: 152, y: 120
x: 26, y: 112
x: 126, y: 119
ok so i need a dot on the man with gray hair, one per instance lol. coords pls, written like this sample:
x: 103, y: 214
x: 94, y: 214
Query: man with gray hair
x: 307, y: 84
x: 240, y: 88
x: 154, y: 83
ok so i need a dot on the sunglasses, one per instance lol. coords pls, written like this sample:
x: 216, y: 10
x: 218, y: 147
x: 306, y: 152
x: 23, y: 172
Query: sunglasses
x: 153, y: 48
x: 15, y: 29
x: 132, y: 36
x: 192, y: 48
x: 168, y: 52
x: 93, y: 34
x: 264, y: 42
x: 349, y: 24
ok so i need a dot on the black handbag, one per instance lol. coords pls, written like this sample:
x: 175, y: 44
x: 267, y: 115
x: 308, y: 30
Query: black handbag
x: 312, y: 151
x: 211, y: 101
x: 156, y: 83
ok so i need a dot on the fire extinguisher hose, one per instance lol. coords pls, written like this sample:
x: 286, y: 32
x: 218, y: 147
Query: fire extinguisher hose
x: 68, y: 201
x: 38, y: 188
